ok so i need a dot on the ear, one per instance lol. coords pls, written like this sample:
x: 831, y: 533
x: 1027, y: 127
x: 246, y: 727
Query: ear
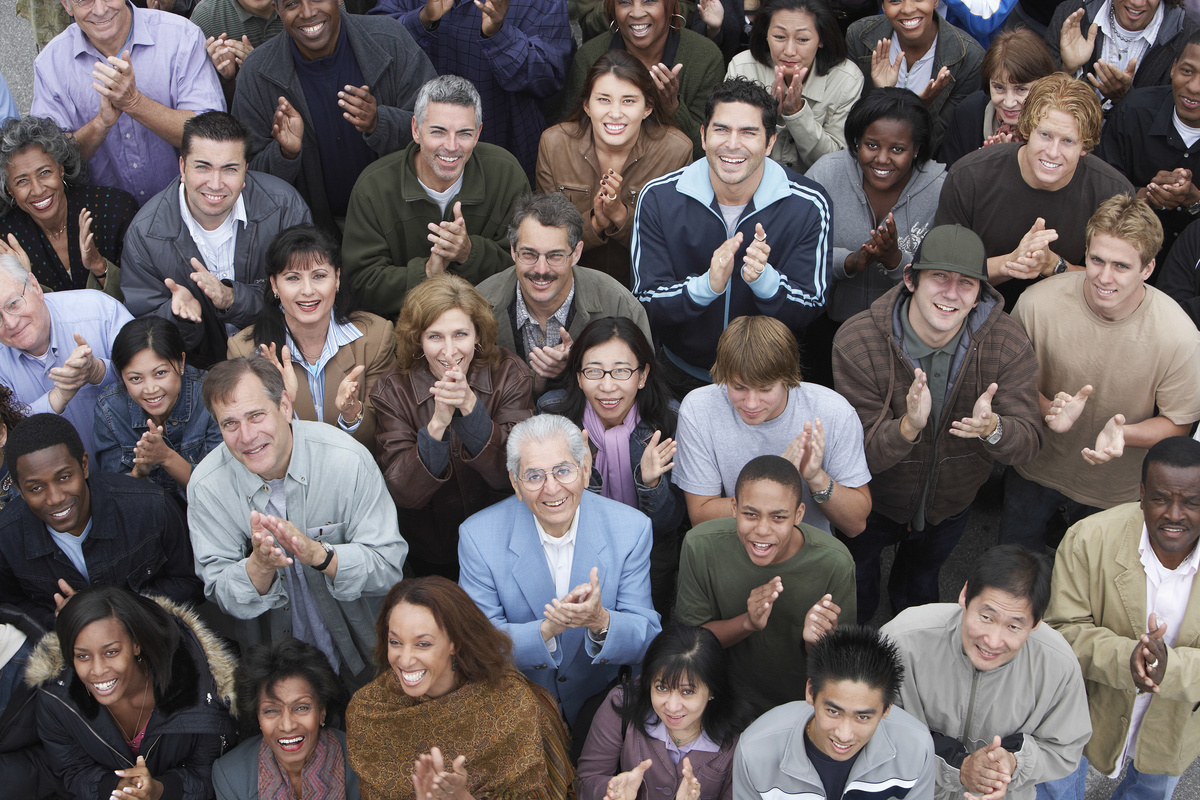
x: 83, y: 462
x: 799, y: 513
x: 181, y: 157
x: 649, y: 110
x: 3, y: 435
x: 908, y: 278
x: 886, y: 711
x: 285, y: 405
x: 415, y: 129
x: 576, y: 254
x: 771, y: 142
x: 808, y: 694
x: 962, y: 597
x: 337, y: 280
x: 516, y: 486
x: 1148, y: 270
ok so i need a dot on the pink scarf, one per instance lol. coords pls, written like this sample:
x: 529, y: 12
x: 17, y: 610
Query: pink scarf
x: 323, y: 777
x: 612, y: 454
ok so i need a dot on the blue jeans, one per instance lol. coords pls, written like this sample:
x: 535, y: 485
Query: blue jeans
x: 919, y: 559
x: 1028, y: 508
x: 1134, y: 786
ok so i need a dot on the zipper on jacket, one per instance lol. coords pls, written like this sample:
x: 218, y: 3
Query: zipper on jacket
x: 971, y: 706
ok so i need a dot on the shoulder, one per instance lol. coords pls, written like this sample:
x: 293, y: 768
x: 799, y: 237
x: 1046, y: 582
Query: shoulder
x: 268, y: 186
x: 821, y: 546
x: 907, y: 731
x: 958, y: 42
x: 384, y: 174
x: 499, y: 288
x: 558, y: 135
x: 495, y: 160
x: 695, y: 47
x: 385, y: 30
x: 715, y: 536
x: 496, y: 522
x: 1052, y: 649
x: 240, y: 762
x: 745, y: 65
x: 1169, y: 316
x: 921, y: 621
x: 119, y: 485
x: 778, y: 723
x: 601, y: 283
x: 986, y: 160
x: 1101, y: 177
x: 619, y: 520
x: 823, y: 400
x: 372, y: 326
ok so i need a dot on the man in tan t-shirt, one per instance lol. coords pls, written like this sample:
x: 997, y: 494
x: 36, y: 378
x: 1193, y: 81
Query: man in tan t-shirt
x: 1111, y: 352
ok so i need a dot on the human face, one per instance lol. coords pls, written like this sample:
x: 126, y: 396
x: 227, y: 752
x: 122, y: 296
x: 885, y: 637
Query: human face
x: 886, y: 154
x: 1135, y: 15
x: 766, y: 514
x: 35, y: 182
x: 845, y: 716
x: 643, y: 25
x: 1171, y: 508
x: 105, y: 23
x: 1008, y: 98
x: 544, y: 286
x: 313, y: 25
x: 756, y: 405
x: 1114, y: 281
x: 610, y: 398
x: 105, y: 660
x: 995, y: 625
x: 1049, y: 159
x: 940, y: 304
x: 256, y: 431
x: 616, y: 109
x: 27, y: 328
x: 1185, y: 87
x: 913, y: 20
x: 792, y: 37
x: 680, y: 708
x: 307, y: 290
x: 259, y: 8
x: 420, y: 652
x: 290, y: 718
x: 213, y: 175
x: 736, y: 145
x: 553, y: 503
x: 153, y: 382
x: 446, y: 138
x: 449, y: 343
x: 54, y: 486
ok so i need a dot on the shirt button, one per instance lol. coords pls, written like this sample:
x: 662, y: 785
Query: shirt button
x: 127, y: 136
x: 135, y: 165
x: 562, y: 680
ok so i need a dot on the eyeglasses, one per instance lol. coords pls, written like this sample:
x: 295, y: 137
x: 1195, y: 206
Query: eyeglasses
x: 558, y: 258
x: 618, y: 374
x: 536, y: 478
x: 16, y: 305
x: 84, y: 4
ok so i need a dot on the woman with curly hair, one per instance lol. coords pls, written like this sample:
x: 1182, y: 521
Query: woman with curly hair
x: 68, y: 234
x: 12, y: 411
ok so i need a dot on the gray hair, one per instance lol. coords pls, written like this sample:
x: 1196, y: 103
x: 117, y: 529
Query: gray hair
x: 539, y: 429
x: 453, y: 90
x: 11, y: 265
x: 552, y: 210
x: 22, y: 132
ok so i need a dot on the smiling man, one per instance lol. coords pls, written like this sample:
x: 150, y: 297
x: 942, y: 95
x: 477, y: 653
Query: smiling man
x: 1123, y: 597
x: 564, y: 572
x: 847, y: 738
x: 731, y: 235
x: 194, y: 254
x: 759, y: 578
x: 546, y: 299
x: 71, y: 528
x: 1100, y: 416
x: 441, y: 204
x: 293, y: 528
x: 945, y: 385
x: 1001, y: 693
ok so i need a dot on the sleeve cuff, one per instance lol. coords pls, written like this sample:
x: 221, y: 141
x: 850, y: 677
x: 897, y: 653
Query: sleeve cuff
x: 767, y: 284
x: 699, y: 289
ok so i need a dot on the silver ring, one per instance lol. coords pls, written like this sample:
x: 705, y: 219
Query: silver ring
x: 1152, y: 664
x: 763, y: 239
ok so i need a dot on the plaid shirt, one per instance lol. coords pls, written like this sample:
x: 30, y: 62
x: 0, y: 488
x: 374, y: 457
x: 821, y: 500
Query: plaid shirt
x: 523, y: 64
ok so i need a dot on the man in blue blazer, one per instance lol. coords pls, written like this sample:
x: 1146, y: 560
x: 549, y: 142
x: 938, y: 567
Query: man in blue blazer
x: 564, y: 572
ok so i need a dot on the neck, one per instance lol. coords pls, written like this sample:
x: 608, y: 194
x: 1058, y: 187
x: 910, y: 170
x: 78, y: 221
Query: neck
x: 57, y: 226
x: 736, y: 194
x: 652, y: 55
x: 609, y: 154
x: 914, y: 51
x: 310, y: 338
x: 426, y: 176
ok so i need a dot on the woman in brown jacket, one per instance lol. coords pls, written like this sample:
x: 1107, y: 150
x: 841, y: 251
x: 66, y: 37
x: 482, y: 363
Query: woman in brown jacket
x: 443, y: 417
x: 336, y: 354
x: 614, y: 142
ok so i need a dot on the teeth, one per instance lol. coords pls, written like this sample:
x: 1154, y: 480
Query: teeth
x: 413, y: 677
x: 615, y: 128
x: 42, y: 205
x: 256, y: 450
x: 732, y: 160
x: 947, y: 309
x: 639, y: 28
x: 556, y: 503
x: 1048, y: 164
x: 311, y: 29
x: 910, y: 23
x: 295, y: 740
x: 450, y: 160
x: 62, y: 514
x: 106, y: 686
x: 882, y: 173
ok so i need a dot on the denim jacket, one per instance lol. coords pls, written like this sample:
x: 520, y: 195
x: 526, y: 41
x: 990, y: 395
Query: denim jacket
x: 120, y: 423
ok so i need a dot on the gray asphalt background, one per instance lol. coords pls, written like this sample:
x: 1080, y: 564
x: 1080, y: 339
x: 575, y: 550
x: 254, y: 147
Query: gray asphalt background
x: 16, y: 64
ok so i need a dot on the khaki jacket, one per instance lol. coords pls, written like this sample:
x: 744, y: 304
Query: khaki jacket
x: 1098, y: 603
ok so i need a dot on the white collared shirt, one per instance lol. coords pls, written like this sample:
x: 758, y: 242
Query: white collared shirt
x: 1167, y: 595
x: 1117, y: 52
x: 216, y: 247
x: 916, y: 78
x: 560, y: 553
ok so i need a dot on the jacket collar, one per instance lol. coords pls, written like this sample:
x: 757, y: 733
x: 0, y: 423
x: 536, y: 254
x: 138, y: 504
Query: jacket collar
x: 695, y: 182
x: 167, y: 220
x: 473, y: 191
x: 586, y: 147
x: 372, y: 59
x: 530, y: 570
x: 37, y: 541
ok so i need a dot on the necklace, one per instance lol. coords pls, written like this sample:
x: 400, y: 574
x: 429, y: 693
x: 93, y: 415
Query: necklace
x: 138, y: 725
x: 57, y: 233
x: 1116, y: 29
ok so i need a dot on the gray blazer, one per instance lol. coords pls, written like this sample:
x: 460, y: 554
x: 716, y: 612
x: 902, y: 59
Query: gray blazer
x: 235, y: 774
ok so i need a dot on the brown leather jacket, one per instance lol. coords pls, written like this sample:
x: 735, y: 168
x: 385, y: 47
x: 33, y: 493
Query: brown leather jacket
x: 439, y: 503
x: 568, y: 164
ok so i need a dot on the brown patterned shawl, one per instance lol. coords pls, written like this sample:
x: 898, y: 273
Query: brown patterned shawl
x: 513, y: 737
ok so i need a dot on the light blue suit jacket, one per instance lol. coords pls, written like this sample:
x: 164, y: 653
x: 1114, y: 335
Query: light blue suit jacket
x: 504, y: 570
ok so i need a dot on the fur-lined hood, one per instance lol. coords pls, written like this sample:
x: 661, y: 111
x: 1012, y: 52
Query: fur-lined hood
x: 46, y: 664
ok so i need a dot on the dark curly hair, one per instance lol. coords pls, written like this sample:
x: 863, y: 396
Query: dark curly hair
x: 20, y: 133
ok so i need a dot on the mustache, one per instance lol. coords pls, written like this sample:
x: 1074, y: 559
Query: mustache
x: 548, y: 277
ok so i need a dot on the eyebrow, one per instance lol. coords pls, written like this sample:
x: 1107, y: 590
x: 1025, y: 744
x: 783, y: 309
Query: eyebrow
x: 754, y: 510
x: 836, y: 707
x: 998, y: 613
x: 84, y: 649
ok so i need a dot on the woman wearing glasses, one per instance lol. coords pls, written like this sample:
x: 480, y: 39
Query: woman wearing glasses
x: 620, y: 399
x: 443, y: 415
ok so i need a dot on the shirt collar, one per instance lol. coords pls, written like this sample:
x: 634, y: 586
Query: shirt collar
x: 567, y: 539
x: 1155, y: 568
x: 914, y: 344
x: 338, y: 336
x: 236, y: 215
x: 701, y: 743
x: 523, y: 315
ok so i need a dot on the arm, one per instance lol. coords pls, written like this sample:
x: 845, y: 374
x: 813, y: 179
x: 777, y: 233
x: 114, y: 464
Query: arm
x: 513, y: 403
x: 884, y: 443
x: 177, y: 580
x: 1180, y: 277
x: 254, y: 103
x: 369, y: 258
x: 410, y: 70
x: 379, y: 362
x: 1017, y: 400
x: 601, y: 757
x: 193, y: 779
x: 696, y: 470
x: 633, y: 622
x: 1052, y: 751
x: 791, y: 287
x: 529, y: 54
x: 398, y: 423
x: 145, y: 292
x: 1149, y: 432
x: 702, y: 508
x: 966, y: 82
x: 82, y: 776
x: 847, y: 508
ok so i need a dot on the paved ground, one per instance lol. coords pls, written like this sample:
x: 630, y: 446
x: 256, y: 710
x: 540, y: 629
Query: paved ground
x: 16, y: 54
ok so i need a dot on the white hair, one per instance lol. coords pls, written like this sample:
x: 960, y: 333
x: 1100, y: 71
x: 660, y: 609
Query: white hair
x: 540, y: 429
x: 15, y: 269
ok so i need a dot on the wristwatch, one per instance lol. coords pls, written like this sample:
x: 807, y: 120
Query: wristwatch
x: 1193, y: 209
x: 996, y: 434
x: 824, y: 495
x: 324, y: 565
x: 1060, y: 267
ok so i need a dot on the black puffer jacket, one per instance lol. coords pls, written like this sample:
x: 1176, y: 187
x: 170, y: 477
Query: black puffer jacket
x: 188, y: 729
x: 24, y: 771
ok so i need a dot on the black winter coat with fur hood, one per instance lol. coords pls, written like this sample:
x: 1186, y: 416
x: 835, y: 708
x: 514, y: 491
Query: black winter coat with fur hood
x: 189, y: 728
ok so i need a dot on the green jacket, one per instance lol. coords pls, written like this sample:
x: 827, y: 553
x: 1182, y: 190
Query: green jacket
x: 386, y: 246
x: 1098, y: 604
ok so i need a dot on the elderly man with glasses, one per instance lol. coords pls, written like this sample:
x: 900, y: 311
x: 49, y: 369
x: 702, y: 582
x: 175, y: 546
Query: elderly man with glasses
x: 564, y: 572
x: 546, y: 299
x: 57, y: 346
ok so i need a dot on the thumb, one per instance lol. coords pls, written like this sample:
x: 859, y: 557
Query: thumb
x: 171, y: 284
x: 991, y: 391
x: 1039, y: 224
x: 1091, y: 34
x: 594, y: 576
x: 354, y: 373
x: 566, y: 338
x: 1120, y: 420
x: 458, y: 211
x: 1085, y: 392
x: 641, y: 768
x: 198, y: 266
x: 79, y: 340
x: 759, y: 230
x: 675, y: 70
x: 995, y: 742
x: 1131, y: 67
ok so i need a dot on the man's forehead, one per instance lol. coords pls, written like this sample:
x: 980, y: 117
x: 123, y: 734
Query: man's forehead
x: 450, y: 116
x: 545, y: 453
x: 737, y: 115
x: 531, y: 233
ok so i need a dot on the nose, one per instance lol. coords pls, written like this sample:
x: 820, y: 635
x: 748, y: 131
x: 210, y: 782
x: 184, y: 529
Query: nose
x: 608, y: 382
x: 286, y: 721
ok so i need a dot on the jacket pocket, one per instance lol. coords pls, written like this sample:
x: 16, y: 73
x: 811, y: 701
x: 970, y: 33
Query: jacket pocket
x: 580, y: 196
x: 333, y: 533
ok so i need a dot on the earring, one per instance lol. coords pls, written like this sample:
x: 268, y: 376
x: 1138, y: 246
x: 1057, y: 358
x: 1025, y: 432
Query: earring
x: 612, y: 27
x: 418, y: 356
x: 478, y: 347
x: 682, y: 20
x: 453, y: 663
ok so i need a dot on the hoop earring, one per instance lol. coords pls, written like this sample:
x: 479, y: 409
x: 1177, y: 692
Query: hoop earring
x: 612, y: 27
x: 418, y: 356
x: 682, y: 21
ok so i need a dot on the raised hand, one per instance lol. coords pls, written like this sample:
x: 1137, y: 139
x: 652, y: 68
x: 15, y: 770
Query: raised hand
x: 689, y: 785
x: 1076, y: 48
x: 64, y: 593
x: 884, y: 71
x: 760, y: 602
x: 136, y: 783
x: 821, y: 619
x: 454, y: 391
x: 1113, y: 83
x: 80, y: 369
x: 667, y: 80
x: 713, y: 14
x: 115, y: 81
x: 220, y: 294
x: 625, y: 786
x: 807, y: 450
x: 1065, y: 409
x: 183, y: 304
x: 884, y: 245
x: 1032, y: 257
x: 982, y: 422
x: 434, y: 778
x: 1110, y: 442
x: 88, y: 253
x: 549, y: 362
x: 12, y: 247
x: 287, y: 128
x: 349, y: 404
x: 919, y: 404
x: 450, y: 238
x: 720, y: 267
x: 433, y: 10
x: 359, y: 108
x: 1148, y: 661
x: 787, y: 89
x: 493, y: 16
x: 987, y: 772
x: 657, y: 459
x: 151, y: 449
x: 936, y: 86
x: 582, y: 605
x: 754, y: 261
x: 266, y: 554
x: 284, y: 357
x: 1172, y: 190
x: 607, y: 208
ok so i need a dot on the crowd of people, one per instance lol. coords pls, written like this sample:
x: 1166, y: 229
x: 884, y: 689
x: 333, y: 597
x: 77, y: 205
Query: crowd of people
x: 663, y: 320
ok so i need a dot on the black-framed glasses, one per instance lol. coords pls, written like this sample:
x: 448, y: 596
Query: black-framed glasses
x: 17, y: 304
x: 618, y: 374
x: 562, y: 474
x: 556, y: 258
